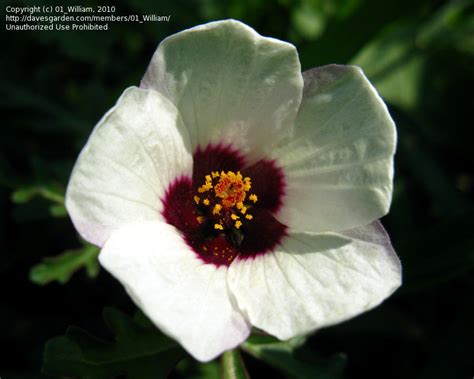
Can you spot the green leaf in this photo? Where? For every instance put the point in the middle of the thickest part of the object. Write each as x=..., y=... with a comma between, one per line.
x=335, y=46
x=450, y=27
x=49, y=192
x=233, y=366
x=209, y=370
x=23, y=195
x=262, y=339
x=189, y=368
x=138, y=352
x=394, y=64
x=397, y=58
x=58, y=211
x=290, y=358
x=62, y=267
x=308, y=21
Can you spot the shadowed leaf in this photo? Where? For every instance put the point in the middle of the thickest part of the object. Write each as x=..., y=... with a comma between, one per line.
x=138, y=352
x=290, y=358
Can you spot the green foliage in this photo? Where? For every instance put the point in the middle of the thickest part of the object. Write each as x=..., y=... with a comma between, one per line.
x=137, y=351
x=63, y=266
x=308, y=21
x=52, y=193
x=24, y=195
x=59, y=268
x=190, y=369
x=293, y=360
x=451, y=27
x=394, y=65
x=395, y=59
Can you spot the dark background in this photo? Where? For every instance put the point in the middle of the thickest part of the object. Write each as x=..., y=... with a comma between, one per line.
x=420, y=56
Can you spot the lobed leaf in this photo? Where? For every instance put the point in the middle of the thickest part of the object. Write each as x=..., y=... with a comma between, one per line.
x=137, y=351
x=62, y=267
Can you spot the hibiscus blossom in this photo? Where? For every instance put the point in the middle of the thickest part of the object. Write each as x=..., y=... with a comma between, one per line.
x=230, y=191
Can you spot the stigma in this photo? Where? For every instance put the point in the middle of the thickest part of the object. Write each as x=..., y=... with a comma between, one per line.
x=224, y=199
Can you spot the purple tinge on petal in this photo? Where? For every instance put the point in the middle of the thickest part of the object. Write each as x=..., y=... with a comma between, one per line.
x=178, y=206
x=258, y=235
x=263, y=234
x=268, y=184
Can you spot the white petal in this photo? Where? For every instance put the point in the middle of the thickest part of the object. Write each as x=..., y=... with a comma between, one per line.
x=185, y=298
x=229, y=83
x=315, y=280
x=138, y=148
x=339, y=161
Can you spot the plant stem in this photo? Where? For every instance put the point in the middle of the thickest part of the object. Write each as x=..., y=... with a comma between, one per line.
x=233, y=366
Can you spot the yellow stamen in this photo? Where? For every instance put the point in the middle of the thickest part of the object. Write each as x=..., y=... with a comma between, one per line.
x=229, y=197
x=247, y=184
x=230, y=189
x=217, y=209
x=205, y=187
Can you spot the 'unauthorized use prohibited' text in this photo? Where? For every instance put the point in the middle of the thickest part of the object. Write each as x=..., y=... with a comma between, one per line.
x=70, y=18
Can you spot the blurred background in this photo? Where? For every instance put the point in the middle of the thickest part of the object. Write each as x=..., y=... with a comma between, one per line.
x=420, y=56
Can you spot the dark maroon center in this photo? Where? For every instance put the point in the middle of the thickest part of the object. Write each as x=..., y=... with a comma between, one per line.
x=220, y=247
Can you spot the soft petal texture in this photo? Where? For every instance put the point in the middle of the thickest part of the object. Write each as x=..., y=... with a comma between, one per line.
x=315, y=280
x=230, y=84
x=138, y=148
x=185, y=298
x=338, y=162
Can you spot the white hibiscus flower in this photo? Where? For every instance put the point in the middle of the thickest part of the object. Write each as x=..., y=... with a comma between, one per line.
x=232, y=191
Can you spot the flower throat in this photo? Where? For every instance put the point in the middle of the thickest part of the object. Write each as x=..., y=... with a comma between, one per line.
x=225, y=210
